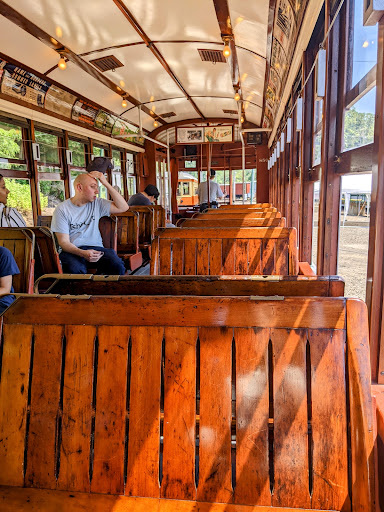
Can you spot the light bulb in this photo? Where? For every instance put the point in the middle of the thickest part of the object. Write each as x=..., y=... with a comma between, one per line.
x=242, y=119
x=62, y=64
x=237, y=96
x=155, y=124
x=227, y=50
x=124, y=103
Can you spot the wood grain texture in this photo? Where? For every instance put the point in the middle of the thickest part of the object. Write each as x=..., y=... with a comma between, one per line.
x=179, y=414
x=202, y=256
x=77, y=409
x=108, y=466
x=252, y=412
x=45, y=397
x=221, y=222
x=165, y=256
x=144, y=417
x=239, y=215
x=15, y=499
x=215, y=415
x=17, y=343
x=360, y=406
x=291, y=488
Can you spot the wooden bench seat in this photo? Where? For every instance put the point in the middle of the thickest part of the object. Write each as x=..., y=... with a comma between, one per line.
x=229, y=251
x=88, y=284
x=186, y=404
x=128, y=239
x=21, y=243
x=255, y=205
x=146, y=221
x=46, y=257
x=225, y=222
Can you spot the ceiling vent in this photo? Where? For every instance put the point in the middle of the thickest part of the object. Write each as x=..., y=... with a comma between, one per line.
x=234, y=112
x=212, y=56
x=166, y=115
x=107, y=63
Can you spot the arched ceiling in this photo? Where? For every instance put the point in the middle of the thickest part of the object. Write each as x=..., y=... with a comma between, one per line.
x=157, y=42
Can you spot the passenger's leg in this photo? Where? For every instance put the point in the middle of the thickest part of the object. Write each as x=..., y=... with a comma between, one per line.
x=73, y=264
x=110, y=263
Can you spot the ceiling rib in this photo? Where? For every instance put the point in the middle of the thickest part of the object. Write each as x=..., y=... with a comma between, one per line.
x=271, y=19
x=129, y=16
x=224, y=19
x=18, y=19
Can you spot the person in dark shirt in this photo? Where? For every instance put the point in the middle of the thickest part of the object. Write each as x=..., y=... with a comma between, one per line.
x=8, y=268
x=145, y=198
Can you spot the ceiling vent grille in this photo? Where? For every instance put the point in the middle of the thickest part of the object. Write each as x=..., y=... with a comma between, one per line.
x=166, y=115
x=212, y=56
x=107, y=63
x=234, y=112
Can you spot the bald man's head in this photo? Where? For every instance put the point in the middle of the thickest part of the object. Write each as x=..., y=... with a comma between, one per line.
x=83, y=179
x=86, y=188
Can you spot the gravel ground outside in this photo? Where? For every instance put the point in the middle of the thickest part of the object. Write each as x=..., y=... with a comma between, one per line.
x=353, y=254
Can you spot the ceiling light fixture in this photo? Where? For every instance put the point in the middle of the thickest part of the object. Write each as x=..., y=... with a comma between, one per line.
x=62, y=64
x=155, y=124
x=237, y=96
x=242, y=119
x=124, y=103
x=227, y=50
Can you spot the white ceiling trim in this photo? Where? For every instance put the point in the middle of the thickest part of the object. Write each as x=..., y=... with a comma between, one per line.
x=34, y=115
x=308, y=24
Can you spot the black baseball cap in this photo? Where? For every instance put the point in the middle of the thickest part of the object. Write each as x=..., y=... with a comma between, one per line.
x=100, y=163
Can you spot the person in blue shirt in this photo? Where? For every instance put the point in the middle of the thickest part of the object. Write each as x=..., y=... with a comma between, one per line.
x=8, y=268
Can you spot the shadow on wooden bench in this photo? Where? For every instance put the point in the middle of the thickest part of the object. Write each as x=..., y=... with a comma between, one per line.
x=21, y=243
x=287, y=286
x=228, y=251
x=217, y=401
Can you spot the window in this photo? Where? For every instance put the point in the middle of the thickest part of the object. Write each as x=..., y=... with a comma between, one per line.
x=359, y=122
x=49, y=152
x=20, y=197
x=186, y=188
x=11, y=147
x=317, y=131
x=99, y=151
x=190, y=164
x=131, y=178
x=78, y=153
x=51, y=194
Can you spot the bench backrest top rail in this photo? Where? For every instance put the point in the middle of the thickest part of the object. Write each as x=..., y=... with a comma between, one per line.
x=255, y=205
x=228, y=222
x=89, y=284
x=217, y=251
x=234, y=375
x=238, y=215
x=217, y=211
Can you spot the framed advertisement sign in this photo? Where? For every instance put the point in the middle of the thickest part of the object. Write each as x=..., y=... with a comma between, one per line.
x=190, y=135
x=218, y=134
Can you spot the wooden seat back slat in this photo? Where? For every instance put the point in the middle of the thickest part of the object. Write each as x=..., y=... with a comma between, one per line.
x=255, y=205
x=230, y=251
x=283, y=379
x=238, y=215
x=146, y=221
x=220, y=221
x=127, y=232
x=21, y=243
x=244, y=209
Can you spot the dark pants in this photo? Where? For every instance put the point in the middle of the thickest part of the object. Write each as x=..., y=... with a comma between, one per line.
x=108, y=264
x=204, y=206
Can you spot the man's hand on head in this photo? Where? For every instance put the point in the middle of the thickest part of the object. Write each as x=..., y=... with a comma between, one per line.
x=98, y=176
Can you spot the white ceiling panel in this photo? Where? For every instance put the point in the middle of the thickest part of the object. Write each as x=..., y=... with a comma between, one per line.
x=213, y=107
x=21, y=46
x=252, y=76
x=196, y=76
x=143, y=75
x=181, y=106
x=81, y=25
x=250, y=24
x=253, y=114
x=185, y=20
x=88, y=87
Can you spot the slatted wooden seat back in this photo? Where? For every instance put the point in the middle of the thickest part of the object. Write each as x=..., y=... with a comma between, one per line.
x=239, y=215
x=44, y=220
x=230, y=251
x=128, y=239
x=146, y=220
x=256, y=205
x=225, y=222
x=244, y=209
x=87, y=284
x=108, y=231
x=46, y=256
x=159, y=216
x=21, y=243
x=220, y=400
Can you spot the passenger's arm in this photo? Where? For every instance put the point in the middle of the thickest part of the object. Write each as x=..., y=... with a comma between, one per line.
x=89, y=254
x=119, y=204
x=5, y=284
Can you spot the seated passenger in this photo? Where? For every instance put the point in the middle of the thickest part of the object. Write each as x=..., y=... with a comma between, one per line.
x=145, y=198
x=8, y=268
x=76, y=224
x=215, y=192
x=9, y=217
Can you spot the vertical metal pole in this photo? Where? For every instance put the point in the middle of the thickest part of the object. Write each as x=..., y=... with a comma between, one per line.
x=169, y=179
x=140, y=125
x=243, y=164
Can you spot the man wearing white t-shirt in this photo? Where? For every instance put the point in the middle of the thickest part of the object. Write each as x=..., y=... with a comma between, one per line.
x=76, y=224
x=215, y=192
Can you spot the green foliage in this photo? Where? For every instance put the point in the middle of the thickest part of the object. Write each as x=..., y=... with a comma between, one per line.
x=48, y=147
x=20, y=195
x=359, y=128
x=10, y=143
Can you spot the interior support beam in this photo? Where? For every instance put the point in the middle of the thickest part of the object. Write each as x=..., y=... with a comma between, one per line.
x=156, y=52
x=224, y=19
